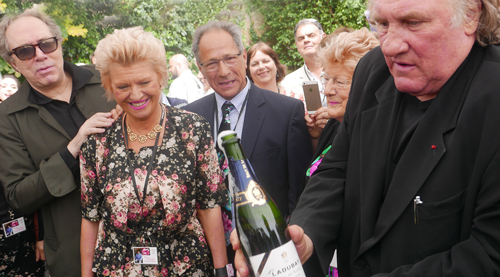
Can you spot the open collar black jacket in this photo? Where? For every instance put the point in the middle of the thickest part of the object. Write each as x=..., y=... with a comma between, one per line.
x=452, y=163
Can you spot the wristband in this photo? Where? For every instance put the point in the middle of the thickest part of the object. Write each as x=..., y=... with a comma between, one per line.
x=220, y=272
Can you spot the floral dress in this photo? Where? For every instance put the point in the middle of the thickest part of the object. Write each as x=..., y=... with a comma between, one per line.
x=185, y=176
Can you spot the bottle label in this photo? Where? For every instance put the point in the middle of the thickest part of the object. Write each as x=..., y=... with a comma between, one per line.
x=282, y=261
x=253, y=195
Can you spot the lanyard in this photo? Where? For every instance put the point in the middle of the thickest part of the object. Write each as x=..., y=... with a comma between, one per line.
x=239, y=115
x=131, y=168
x=307, y=74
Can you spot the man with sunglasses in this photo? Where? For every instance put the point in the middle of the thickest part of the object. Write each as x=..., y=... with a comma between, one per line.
x=272, y=129
x=42, y=128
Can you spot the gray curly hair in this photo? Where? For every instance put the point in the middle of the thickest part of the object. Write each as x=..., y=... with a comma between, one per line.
x=33, y=12
x=229, y=27
x=488, y=30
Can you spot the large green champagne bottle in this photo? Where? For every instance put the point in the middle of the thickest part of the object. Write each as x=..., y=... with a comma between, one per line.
x=260, y=226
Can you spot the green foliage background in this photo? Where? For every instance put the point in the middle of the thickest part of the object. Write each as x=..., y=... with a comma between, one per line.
x=172, y=21
x=85, y=22
x=281, y=16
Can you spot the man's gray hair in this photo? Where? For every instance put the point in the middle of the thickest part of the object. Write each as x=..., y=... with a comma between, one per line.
x=308, y=21
x=229, y=27
x=33, y=12
x=488, y=29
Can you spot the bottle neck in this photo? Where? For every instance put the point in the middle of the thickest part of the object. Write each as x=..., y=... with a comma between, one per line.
x=234, y=150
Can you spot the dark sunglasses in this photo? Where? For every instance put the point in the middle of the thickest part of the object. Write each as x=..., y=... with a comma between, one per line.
x=27, y=52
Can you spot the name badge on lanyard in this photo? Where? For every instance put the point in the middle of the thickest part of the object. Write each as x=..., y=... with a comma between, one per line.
x=13, y=227
x=145, y=255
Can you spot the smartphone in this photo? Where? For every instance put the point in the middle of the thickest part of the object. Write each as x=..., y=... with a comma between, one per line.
x=312, y=96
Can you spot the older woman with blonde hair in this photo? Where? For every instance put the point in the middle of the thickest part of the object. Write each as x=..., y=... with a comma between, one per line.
x=340, y=53
x=340, y=56
x=150, y=183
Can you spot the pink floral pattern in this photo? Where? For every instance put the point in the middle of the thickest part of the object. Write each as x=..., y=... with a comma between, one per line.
x=296, y=95
x=185, y=177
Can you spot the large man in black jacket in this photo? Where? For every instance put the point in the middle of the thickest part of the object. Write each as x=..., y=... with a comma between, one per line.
x=410, y=186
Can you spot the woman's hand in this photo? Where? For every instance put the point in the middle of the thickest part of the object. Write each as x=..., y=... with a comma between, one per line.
x=321, y=118
x=316, y=122
x=93, y=125
x=302, y=242
x=116, y=112
x=40, y=254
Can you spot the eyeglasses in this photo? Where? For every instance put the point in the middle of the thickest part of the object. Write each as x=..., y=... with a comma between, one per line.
x=339, y=81
x=27, y=52
x=212, y=65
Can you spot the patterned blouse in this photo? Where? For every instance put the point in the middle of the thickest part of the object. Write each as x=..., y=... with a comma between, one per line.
x=296, y=95
x=185, y=176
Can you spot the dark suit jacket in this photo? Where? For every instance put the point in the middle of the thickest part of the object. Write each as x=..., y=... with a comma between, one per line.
x=452, y=162
x=35, y=176
x=275, y=140
x=177, y=102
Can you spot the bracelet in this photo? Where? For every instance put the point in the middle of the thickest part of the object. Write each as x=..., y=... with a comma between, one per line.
x=220, y=272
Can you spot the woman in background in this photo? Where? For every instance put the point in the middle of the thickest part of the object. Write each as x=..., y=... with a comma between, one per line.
x=317, y=121
x=265, y=70
x=150, y=181
x=8, y=86
x=340, y=57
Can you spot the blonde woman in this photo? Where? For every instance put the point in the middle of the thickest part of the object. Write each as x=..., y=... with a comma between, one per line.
x=150, y=182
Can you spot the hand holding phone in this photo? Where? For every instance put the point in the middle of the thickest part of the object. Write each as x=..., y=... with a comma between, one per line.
x=312, y=96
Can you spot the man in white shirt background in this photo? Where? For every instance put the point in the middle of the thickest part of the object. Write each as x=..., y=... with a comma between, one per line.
x=185, y=85
x=308, y=34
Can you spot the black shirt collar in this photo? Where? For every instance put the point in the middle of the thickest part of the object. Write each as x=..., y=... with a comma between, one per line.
x=79, y=75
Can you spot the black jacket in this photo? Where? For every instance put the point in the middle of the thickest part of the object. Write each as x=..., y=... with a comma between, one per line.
x=452, y=162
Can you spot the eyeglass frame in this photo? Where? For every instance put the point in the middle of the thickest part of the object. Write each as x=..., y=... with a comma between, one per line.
x=13, y=51
x=219, y=60
x=334, y=78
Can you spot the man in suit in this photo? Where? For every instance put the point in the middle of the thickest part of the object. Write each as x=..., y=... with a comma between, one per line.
x=308, y=34
x=272, y=129
x=410, y=186
x=42, y=128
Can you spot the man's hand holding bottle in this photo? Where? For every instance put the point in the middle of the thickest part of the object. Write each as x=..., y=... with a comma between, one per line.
x=303, y=244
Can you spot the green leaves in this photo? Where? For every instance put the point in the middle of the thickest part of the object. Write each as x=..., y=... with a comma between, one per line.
x=280, y=17
x=84, y=22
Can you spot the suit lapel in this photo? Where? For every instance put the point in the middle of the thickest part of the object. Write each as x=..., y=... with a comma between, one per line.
x=254, y=117
x=208, y=112
x=44, y=115
x=426, y=147
x=374, y=151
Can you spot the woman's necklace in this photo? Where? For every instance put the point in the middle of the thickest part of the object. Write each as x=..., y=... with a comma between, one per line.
x=143, y=138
